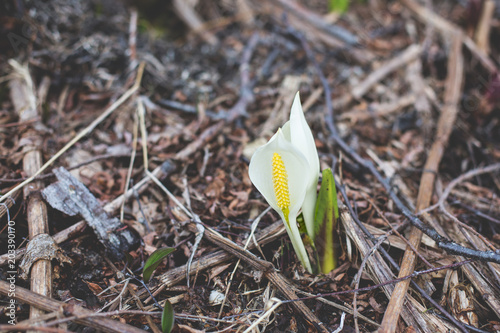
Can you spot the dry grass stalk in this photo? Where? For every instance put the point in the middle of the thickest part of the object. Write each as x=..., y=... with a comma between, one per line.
x=482, y=36
x=412, y=312
x=193, y=21
x=25, y=103
x=444, y=128
x=476, y=274
x=408, y=55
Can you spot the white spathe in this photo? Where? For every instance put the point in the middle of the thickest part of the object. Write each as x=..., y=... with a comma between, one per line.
x=294, y=143
x=301, y=137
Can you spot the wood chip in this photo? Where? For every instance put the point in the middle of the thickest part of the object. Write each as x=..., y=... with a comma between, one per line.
x=72, y=198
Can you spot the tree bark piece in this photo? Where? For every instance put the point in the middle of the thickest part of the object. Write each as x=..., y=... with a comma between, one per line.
x=445, y=125
x=72, y=197
x=41, y=247
x=111, y=208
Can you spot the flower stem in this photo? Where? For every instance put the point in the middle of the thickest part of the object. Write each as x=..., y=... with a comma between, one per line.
x=298, y=246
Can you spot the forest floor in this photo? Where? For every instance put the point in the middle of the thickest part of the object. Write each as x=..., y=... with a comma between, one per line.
x=124, y=130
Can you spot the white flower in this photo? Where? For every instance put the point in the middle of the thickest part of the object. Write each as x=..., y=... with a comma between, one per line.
x=301, y=137
x=286, y=170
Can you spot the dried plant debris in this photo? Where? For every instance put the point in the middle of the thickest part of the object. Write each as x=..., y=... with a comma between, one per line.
x=71, y=197
x=41, y=247
x=402, y=99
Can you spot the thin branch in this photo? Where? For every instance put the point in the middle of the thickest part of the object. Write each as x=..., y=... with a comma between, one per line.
x=447, y=191
x=374, y=249
x=76, y=166
x=376, y=286
x=267, y=268
x=379, y=211
x=25, y=327
x=246, y=94
x=455, y=182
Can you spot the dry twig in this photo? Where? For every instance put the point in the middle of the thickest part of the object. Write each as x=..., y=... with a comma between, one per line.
x=25, y=103
x=444, y=128
x=430, y=17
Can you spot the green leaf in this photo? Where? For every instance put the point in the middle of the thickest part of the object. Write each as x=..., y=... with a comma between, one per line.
x=339, y=6
x=325, y=221
x=154, y=260
x=167, y=317
x=302, y=224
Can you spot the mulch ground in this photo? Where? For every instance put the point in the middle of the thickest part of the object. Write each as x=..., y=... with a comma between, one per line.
x=155, y=109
